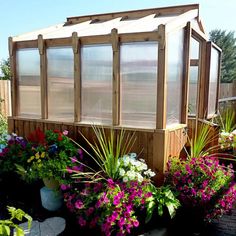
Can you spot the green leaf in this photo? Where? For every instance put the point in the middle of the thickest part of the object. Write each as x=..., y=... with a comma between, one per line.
x=160, y=210
x=4, y=230
x=171, y=209
x=19, y=231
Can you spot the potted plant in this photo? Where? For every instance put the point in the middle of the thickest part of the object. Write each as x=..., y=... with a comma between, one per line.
x=14, y=150
x=52, y=155
x=204, y=186
x=111, y=194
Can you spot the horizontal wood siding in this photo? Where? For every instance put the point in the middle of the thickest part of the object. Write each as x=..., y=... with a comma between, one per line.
x=154, y=146
x=23, y=127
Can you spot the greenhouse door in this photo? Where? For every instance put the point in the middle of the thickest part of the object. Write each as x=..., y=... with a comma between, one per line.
x=196, y=74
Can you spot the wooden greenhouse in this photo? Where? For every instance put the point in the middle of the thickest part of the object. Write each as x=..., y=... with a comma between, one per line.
x=151, y=71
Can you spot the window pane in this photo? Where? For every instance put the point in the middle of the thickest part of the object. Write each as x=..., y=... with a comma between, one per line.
x=60, y=83
x=194, y=49
x=213, y=81
x=174, y=79
x=193, y=88
x=28, y=70
x=138, y=68
x=96, y=84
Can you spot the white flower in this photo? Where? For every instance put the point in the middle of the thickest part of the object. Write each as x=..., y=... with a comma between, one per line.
x=125, y=179
x=121, y=172
x=143, y=166
x=149, y=173
x=140, y=178
x=131, y=174
x=132, y=168
x=224, y=134
x=142, y=160
x=133, y=162
x=126, y=160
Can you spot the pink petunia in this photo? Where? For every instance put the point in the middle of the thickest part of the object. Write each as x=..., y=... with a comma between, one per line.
x=79, y=204
x=64, y=187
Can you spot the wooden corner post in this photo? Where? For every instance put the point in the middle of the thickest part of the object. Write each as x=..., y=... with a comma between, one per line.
x=185, y=85
x=161, y=80
x=115, y=77
x=77, y=76
x=14, y=80
x=43, y=77
x=160, y=135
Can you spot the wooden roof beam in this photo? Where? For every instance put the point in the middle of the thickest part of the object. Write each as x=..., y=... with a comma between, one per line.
x=133, y=14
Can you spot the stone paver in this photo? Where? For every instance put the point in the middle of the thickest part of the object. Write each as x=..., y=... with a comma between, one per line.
x=50, y=227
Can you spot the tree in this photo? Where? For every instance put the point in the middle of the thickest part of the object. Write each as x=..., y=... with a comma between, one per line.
x=227, y=42
x=5, y=68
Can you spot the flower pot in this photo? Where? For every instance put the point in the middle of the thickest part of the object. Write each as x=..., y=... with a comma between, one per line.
x=51, y=199
x=51, y=183
x=51, y=196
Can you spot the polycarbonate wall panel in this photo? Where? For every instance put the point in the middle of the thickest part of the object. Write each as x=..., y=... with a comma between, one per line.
x=28, y=72
x=138, y=70
x=194, y=49
x=193, y=89
x=213, y=81
x=60, y=66
x=96, y=72
x=174, y=77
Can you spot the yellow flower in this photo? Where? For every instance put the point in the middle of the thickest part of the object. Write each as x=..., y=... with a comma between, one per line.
x=43, y=155
x=39, y=160
x=30, y=159
x=37, y=155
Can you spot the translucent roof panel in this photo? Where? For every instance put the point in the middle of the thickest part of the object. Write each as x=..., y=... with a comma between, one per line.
x=89, y=26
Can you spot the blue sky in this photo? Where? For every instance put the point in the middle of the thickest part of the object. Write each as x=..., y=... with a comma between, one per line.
x=20, y=16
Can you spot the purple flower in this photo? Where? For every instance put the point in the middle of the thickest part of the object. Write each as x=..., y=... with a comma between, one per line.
x=65, y=132
x=136, y=223
x=77, y=168
x=64, y=187
x=81, y=221
x=69, y=170
x=74, y=159
x=121, y=222
x=80, y=152
x=110, y=181
x=79, y=204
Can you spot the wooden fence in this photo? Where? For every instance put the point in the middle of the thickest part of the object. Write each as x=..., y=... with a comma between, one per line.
x=5, y=97
x=227, y=90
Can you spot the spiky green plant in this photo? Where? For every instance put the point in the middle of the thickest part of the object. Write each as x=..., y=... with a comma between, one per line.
x=106, y=151
x=202, y=138
x=227, y=120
